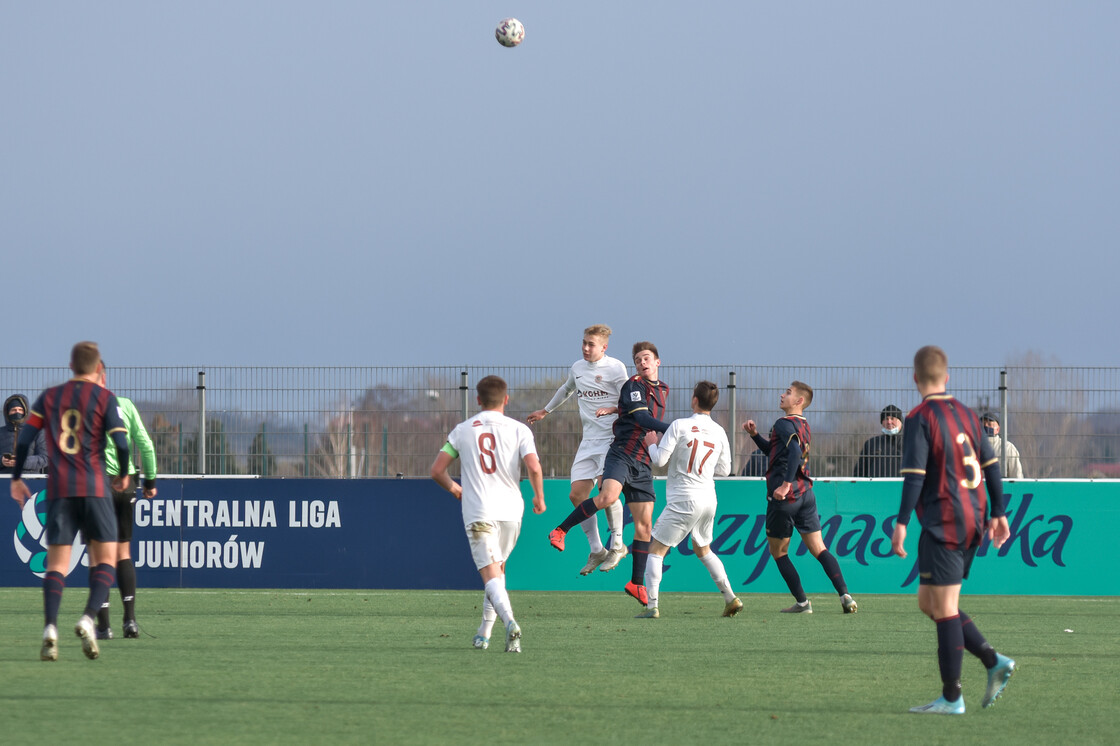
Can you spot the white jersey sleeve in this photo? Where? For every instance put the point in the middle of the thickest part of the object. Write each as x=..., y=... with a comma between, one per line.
x=564, y=392
x=491, y=448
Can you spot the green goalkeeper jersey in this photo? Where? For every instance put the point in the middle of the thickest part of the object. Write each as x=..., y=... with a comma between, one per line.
x=137, y=437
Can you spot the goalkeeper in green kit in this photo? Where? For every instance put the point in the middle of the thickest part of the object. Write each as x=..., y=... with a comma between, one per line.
x=138, y=440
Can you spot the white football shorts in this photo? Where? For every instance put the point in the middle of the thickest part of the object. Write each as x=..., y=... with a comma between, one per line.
x=680, y=519
x=492, y=541
x=589, y=459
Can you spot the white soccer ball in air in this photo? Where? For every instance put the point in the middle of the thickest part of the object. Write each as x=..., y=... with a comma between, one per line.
x=510, y=32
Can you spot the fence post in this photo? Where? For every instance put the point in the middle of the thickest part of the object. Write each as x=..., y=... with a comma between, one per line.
x=264, y=450
x=1003, y=430
x=180, y=447
x=384, y=450
x=464, y=389
x=201, y=422
x=306, y=452
x=732, y=420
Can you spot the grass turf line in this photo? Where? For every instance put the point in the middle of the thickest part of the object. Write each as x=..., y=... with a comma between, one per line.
x=397, y=667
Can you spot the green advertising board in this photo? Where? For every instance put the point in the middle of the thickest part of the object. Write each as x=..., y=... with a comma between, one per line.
x=1052, y=550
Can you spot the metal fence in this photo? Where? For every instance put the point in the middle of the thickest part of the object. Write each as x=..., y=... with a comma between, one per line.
x=391, y=421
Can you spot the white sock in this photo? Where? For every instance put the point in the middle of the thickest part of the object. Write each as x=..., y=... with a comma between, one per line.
x=499, y=599
x=719, y=574
x=614, y=523
x=591, y=527
x=489, y=616
x=653, y=577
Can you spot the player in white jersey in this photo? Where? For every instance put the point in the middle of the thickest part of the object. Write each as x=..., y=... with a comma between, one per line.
x=596, y=381
x=491, y=448
x=696, y=450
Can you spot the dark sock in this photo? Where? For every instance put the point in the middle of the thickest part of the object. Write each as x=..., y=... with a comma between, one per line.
x=975, y=643
x=53, y=585
x=103, y=616
x=126, y=582
x=640, y=555
x=100, y=581
x=793, y=580
x=832, y=570
x=582, y=512
x=950, y=654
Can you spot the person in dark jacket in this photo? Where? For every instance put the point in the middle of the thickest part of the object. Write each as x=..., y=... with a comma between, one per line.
x=15, y=412
x=882, y=455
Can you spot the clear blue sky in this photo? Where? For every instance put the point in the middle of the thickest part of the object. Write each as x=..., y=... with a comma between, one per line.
x=288, y=183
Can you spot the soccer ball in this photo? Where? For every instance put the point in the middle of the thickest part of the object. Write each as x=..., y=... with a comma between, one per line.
x=510, y=32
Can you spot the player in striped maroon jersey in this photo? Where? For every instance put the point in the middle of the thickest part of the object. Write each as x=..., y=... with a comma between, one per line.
x=790, y=502
x=947, y=466
x=79, y=418
x=626, y=468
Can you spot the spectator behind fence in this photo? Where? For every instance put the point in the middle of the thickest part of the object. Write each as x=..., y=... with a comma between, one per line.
x=882, y=455
x=1012, y=465
x=756, y=464
x=15, y=412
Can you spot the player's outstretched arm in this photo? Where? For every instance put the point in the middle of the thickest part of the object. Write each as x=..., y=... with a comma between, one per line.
x=562, y=395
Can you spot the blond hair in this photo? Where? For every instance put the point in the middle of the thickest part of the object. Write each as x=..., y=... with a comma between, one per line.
x=931, y=365
x=598, y=330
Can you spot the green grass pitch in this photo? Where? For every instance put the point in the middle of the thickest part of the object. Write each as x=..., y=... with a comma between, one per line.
x=388, y=667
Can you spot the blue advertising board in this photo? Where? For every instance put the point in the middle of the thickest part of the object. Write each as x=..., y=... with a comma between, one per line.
x=408, y=533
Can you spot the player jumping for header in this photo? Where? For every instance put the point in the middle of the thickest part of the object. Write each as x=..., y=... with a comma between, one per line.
x=626, y=469
x=596, y=381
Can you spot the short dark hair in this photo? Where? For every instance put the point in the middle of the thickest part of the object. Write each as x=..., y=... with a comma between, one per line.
x=639, y=346
x=492, y=391
x=707, y=394
x=806, y=391
x=84, y=358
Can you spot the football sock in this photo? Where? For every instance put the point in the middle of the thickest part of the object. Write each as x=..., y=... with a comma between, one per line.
x=582, y=512
x=100, y=581
x=832, y=570
x=126, y=582
x=615, y=522
x=718, y=573
x=591, y=528
x=53, y=584
x=793, y=580
x=640, y=555
x=103, y=616
x=975, y=643
x=950, y=654
x=653, y=578
x=489, y=616
x=499, y=599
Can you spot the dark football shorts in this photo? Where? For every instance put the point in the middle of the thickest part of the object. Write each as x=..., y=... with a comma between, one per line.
x=939, y=565
x=93, y=516
x=636, y=477
x=122, y=506
x=782, y=516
